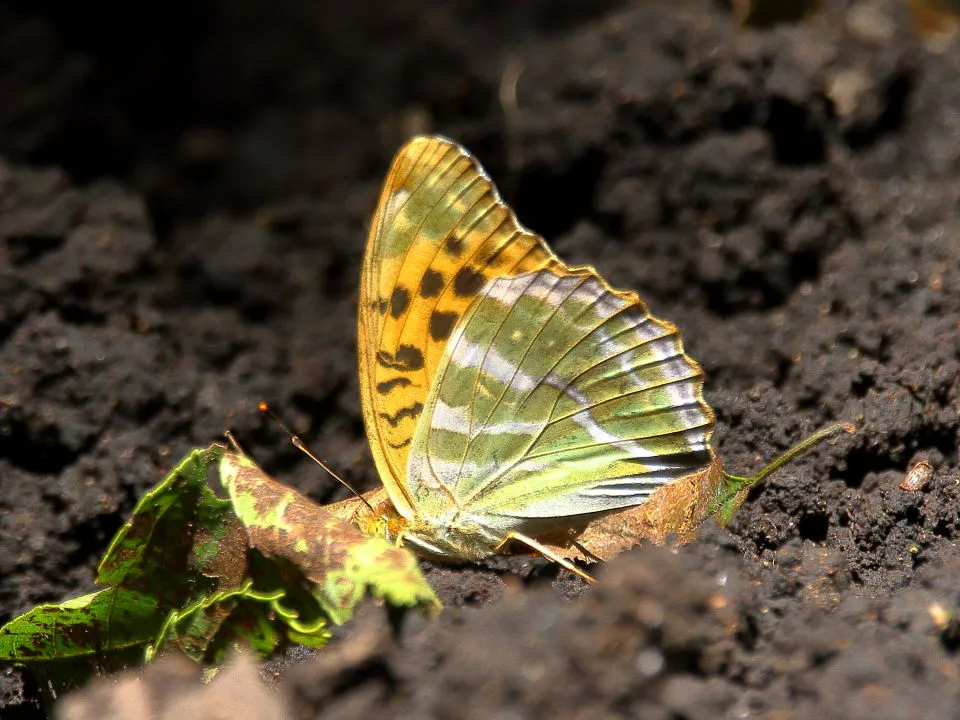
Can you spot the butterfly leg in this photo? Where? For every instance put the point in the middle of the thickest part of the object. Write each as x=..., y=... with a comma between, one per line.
x=548, y=554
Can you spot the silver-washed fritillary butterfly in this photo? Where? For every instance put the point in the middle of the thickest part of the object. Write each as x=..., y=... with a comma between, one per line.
x=510, y=398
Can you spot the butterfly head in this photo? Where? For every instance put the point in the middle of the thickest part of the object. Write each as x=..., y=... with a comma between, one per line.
x=382, y=520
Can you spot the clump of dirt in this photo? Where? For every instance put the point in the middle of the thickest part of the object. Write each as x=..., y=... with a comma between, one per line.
x=786, y=196
x=665, y=635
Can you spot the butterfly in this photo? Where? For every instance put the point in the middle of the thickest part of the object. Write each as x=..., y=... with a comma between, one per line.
x=510, y=398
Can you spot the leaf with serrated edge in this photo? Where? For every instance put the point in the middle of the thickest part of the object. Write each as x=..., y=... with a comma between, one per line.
x=181, y=551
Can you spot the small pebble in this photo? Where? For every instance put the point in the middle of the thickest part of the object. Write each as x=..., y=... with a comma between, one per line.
x=918, y=477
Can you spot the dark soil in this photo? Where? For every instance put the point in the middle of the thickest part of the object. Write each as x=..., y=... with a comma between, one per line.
x=788, y=197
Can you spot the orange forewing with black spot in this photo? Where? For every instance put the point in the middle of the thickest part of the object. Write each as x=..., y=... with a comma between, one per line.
x=440, y=232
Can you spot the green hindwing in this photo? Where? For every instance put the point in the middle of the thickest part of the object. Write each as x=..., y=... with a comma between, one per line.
x=558, y=397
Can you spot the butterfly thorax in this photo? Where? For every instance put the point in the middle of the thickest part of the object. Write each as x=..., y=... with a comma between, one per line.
x=451, y=538
x=454, y=539
x=381, y=520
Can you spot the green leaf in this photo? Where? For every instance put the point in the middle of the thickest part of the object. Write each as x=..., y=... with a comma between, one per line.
x=340, y=561
x=196, y=574
x=182, y=528
x=182, y=548
x=94, y=624
x=66, y=643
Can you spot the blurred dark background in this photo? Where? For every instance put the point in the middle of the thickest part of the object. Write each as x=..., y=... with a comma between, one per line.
x=233, y=104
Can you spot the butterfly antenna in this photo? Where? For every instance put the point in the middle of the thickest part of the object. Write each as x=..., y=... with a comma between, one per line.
x=737, y=486
x=299, y=445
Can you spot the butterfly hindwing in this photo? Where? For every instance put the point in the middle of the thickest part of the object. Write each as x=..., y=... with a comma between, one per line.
x=440, y=233
x=558, y=397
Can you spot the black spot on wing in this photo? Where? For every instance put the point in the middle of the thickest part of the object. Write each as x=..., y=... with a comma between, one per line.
x=468, y=282
x=411, y=411
x=431, y=285
x=407, y=358
x=399, y=301
x=410, y=357
x=380, y=306
x=397, y=446
x=441, y=324
x=388, y=385
x=453, y=246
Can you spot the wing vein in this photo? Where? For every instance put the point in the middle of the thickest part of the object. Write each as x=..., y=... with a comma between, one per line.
x=479, y=490
x=483, y=362
x=689, y=406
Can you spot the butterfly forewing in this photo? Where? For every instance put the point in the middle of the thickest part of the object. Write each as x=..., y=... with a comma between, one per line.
x=439, y=234
x=558, y=397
